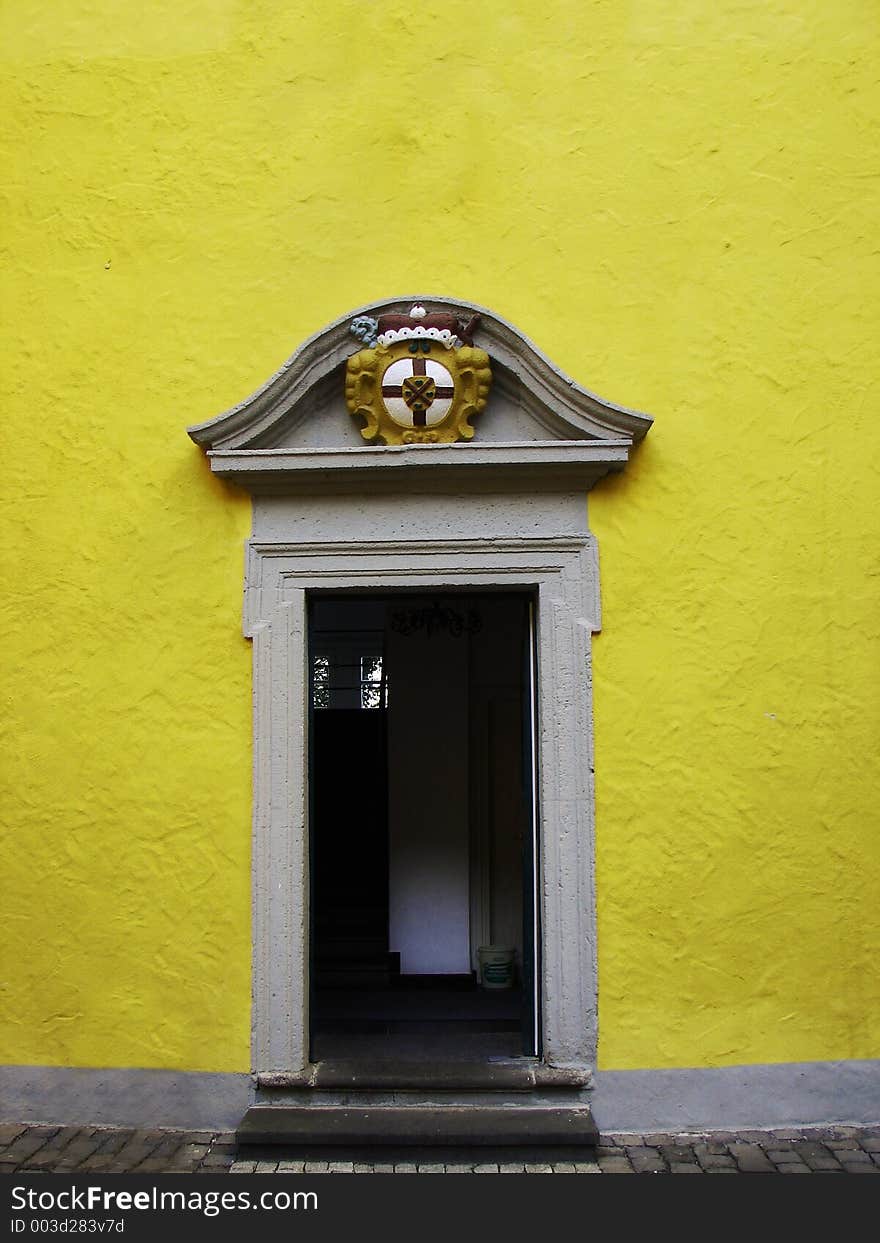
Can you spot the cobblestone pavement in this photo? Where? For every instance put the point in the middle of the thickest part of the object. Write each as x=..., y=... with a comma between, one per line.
x=30, y=1149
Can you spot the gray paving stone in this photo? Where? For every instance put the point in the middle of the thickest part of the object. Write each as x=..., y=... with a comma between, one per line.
x=849, y=1154
x=713, y=1147
x=167, y=1146
x=717, y=1161
x=79, y=1149
x=102, y=1161
x=677, y=1152
x=132, y=1153
x=217, y=1161
x=191, y=1152
x=45, y=1158
x=68, y=1162
x=810, y=1148
x=30, y=1141
x=116, y=1141
x=751, y=1159
x=615, y=1165
x=647, y=1160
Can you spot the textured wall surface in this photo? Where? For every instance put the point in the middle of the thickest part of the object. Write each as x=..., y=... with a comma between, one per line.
x=679, y=204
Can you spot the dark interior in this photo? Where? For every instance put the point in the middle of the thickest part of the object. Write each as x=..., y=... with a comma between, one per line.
x=361, y=1005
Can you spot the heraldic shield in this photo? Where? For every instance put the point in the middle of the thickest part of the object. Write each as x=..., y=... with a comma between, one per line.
x=421, y=381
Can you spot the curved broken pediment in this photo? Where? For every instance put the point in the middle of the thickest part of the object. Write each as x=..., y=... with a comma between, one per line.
x=296, y=433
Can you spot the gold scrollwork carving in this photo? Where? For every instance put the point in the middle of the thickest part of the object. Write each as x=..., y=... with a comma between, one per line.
x=417, y=391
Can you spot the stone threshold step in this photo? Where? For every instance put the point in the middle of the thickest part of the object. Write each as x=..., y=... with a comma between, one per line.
x=516, y=1074
x=417, y=1124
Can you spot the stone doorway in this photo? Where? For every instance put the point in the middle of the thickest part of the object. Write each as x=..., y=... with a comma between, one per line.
x=504, y=512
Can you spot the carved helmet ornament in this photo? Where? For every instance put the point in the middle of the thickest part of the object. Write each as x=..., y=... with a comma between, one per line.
x=420, y=381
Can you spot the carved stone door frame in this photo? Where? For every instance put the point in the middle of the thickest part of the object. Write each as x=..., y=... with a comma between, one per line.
x=562, y=570
x=505, y=510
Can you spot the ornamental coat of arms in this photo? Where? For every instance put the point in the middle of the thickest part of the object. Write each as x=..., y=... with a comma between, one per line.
x=420, y=381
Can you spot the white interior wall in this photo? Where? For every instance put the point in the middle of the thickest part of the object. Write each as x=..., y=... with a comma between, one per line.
x=428, y=801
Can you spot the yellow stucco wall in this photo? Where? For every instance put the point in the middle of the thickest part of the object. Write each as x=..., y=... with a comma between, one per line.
x=677, y=202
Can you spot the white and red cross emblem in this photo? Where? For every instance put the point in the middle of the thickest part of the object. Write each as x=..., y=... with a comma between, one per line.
x=417, y=391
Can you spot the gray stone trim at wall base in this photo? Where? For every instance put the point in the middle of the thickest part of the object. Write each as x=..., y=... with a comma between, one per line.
x=71, y=1096
x=729, y=1098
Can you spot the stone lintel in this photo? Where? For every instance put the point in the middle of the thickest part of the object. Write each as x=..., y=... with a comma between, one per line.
x=549, y=466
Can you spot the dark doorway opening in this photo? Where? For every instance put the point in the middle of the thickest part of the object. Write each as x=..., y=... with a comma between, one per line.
x=424, y=940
